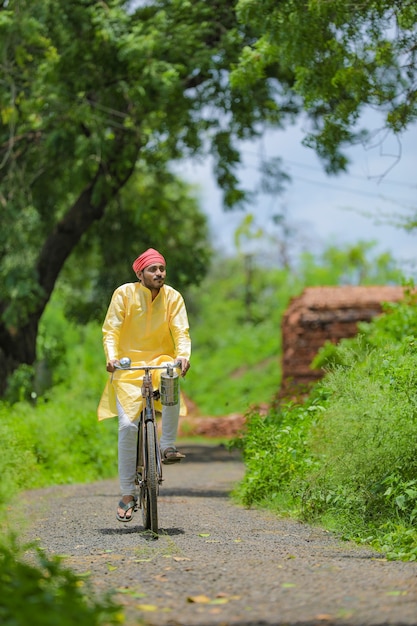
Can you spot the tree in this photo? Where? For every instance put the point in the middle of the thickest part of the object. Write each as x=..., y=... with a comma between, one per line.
x=153, y=210
x=344, y=57
x=92, y=93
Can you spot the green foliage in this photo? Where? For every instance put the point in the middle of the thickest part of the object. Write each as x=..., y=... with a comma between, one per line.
x=163, y=213
x=97, y=100
x=42, y=592
x=399, y=323
x=236, y=312
x=275, y=450
x=356, y=459
x=366, y=442
x=56, y=438
x=355, y=264
x=334, y=68
x=94, y=95
x=235, y=320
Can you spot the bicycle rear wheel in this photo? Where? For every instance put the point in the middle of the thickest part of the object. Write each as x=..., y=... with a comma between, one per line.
x=150, y=486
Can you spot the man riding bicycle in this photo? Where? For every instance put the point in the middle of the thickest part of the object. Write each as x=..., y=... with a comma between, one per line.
x=147, y=322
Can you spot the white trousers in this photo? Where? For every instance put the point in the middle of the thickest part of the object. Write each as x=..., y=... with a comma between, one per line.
x=127, y=441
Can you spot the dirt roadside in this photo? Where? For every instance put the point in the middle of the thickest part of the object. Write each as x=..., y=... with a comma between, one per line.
x=217, y=564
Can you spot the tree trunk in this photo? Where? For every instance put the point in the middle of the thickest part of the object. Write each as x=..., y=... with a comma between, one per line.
x=18, y=345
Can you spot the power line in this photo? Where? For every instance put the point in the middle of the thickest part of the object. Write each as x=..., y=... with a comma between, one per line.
x=358, y=192
x=356, y=176
x=351, y=176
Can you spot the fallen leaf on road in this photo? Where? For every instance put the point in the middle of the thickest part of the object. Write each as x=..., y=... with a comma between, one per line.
x=181, y=558
x=204, y=535
x=111, y=567
x=161, y=578
x=131, y=592
x=396, y=592
x=220, y=601
x=198, y=599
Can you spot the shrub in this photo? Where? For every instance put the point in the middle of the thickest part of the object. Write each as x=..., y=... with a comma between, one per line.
x=352, y=464
x=274, y=449
x=367, y=450
x=45, y=593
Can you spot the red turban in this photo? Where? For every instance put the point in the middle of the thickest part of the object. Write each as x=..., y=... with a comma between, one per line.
x=147, y=258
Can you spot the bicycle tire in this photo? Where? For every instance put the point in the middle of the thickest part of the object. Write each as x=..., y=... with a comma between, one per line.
x=150, y=491
x=139, y=460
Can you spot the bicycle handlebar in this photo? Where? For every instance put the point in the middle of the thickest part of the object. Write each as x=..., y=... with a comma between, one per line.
x=125, y=364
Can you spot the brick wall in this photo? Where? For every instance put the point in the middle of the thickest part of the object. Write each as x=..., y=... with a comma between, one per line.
x=323, y=314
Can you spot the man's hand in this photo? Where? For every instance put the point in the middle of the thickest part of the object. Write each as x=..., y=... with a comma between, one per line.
x=185, y=365
x=110, y=367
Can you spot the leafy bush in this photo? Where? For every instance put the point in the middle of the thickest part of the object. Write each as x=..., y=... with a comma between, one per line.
x=275, y=449
x=42, y=592
x=356, y=461
x=57, y=438
x=398, y=322
x=54, y=443
x=367, y=446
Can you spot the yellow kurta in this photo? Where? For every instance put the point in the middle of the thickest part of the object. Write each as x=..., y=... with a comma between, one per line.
x=148, y=332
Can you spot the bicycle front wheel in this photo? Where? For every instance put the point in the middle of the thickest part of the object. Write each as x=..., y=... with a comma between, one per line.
x=150, y=492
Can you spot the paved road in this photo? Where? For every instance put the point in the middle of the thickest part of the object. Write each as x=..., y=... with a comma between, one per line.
x=217, y=564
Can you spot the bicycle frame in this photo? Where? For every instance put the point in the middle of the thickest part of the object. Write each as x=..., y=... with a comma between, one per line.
x=148, y=458
x=144, y=481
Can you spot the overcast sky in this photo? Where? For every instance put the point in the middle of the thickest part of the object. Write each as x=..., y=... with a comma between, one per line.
x=382, y=180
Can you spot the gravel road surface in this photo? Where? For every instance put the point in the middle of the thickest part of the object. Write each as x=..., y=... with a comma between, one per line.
x=215, y=563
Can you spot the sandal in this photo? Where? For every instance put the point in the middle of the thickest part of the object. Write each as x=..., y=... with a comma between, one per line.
x=126, y=507
x=171, y=455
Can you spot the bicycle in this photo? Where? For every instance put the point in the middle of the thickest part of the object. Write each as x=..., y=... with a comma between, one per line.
x=148, y=454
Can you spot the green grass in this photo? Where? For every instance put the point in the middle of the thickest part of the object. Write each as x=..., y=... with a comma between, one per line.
x=347, y=457
x=57, y=439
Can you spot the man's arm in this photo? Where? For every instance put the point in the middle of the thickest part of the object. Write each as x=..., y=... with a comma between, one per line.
x=111, y=330
x=180, y=331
